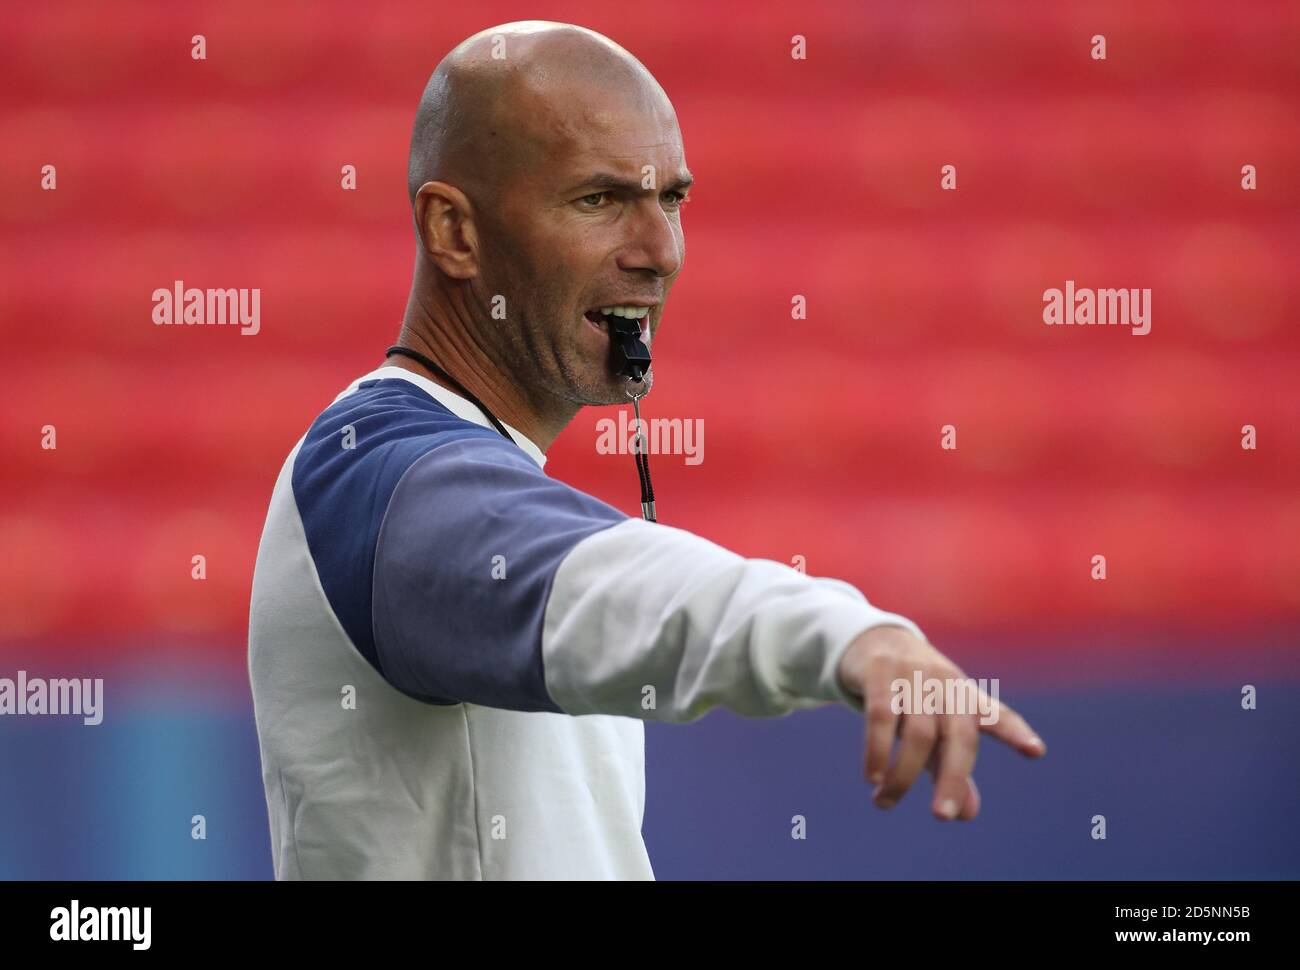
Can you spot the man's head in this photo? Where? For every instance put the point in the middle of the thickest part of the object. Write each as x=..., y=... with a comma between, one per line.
x=546, y=178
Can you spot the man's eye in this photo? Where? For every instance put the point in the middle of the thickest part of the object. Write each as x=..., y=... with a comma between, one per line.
x=593, y=200
x=676, y=200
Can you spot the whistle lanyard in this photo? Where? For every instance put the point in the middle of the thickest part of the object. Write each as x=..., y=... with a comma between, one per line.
x=641, y=454
x=638, y=445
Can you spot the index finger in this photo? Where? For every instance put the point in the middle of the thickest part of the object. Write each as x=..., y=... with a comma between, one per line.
x=1013, y=730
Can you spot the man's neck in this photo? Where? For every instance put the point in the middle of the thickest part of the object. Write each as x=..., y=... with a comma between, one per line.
x=426, y=328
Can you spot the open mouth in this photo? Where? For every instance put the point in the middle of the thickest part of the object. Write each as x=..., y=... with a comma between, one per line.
x=602, y=317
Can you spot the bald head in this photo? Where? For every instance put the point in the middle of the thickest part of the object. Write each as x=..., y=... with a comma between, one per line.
x=511, y=97
x=547, y=177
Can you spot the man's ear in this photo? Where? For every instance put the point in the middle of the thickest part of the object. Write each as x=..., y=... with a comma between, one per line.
x=444, y=220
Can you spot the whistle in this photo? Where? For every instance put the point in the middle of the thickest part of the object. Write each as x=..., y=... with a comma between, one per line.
x=630, y=356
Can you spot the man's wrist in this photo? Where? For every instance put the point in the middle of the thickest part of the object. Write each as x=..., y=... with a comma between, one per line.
x=851, y=665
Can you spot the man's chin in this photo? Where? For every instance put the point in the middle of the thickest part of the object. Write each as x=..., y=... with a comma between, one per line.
x=615, y=390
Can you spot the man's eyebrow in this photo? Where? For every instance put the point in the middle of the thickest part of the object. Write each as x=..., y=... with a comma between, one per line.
x=608, y=182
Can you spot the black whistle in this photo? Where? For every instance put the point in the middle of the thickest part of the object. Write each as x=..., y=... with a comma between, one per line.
x=630, y=357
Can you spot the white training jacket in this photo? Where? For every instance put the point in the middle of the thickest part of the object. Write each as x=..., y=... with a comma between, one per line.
x=452, y=654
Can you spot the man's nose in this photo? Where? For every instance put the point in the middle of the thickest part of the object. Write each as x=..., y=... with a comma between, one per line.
x=654, y=242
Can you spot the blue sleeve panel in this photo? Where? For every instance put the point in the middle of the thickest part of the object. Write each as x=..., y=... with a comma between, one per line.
x=474, y=535
x=436, y=542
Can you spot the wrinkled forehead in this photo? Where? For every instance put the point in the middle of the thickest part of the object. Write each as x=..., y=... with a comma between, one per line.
x=574, y=130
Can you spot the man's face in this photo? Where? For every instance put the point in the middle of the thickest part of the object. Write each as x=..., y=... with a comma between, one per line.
x=591, y=220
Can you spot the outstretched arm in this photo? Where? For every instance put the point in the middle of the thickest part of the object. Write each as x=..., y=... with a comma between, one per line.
x=497, y=585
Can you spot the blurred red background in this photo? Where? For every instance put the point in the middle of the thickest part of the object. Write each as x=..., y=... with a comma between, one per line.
x=817, y=177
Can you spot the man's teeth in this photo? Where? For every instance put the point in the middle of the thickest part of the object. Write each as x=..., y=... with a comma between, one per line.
x=631, y=312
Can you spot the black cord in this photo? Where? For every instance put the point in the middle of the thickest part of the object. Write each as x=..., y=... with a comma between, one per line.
x=417, y=356
x=642, y=456
x=642, y=460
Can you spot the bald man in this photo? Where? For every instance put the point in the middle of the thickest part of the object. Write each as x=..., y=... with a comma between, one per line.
x=452, y=655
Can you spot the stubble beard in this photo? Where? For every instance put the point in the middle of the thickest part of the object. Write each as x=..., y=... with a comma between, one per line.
x=550, y=362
